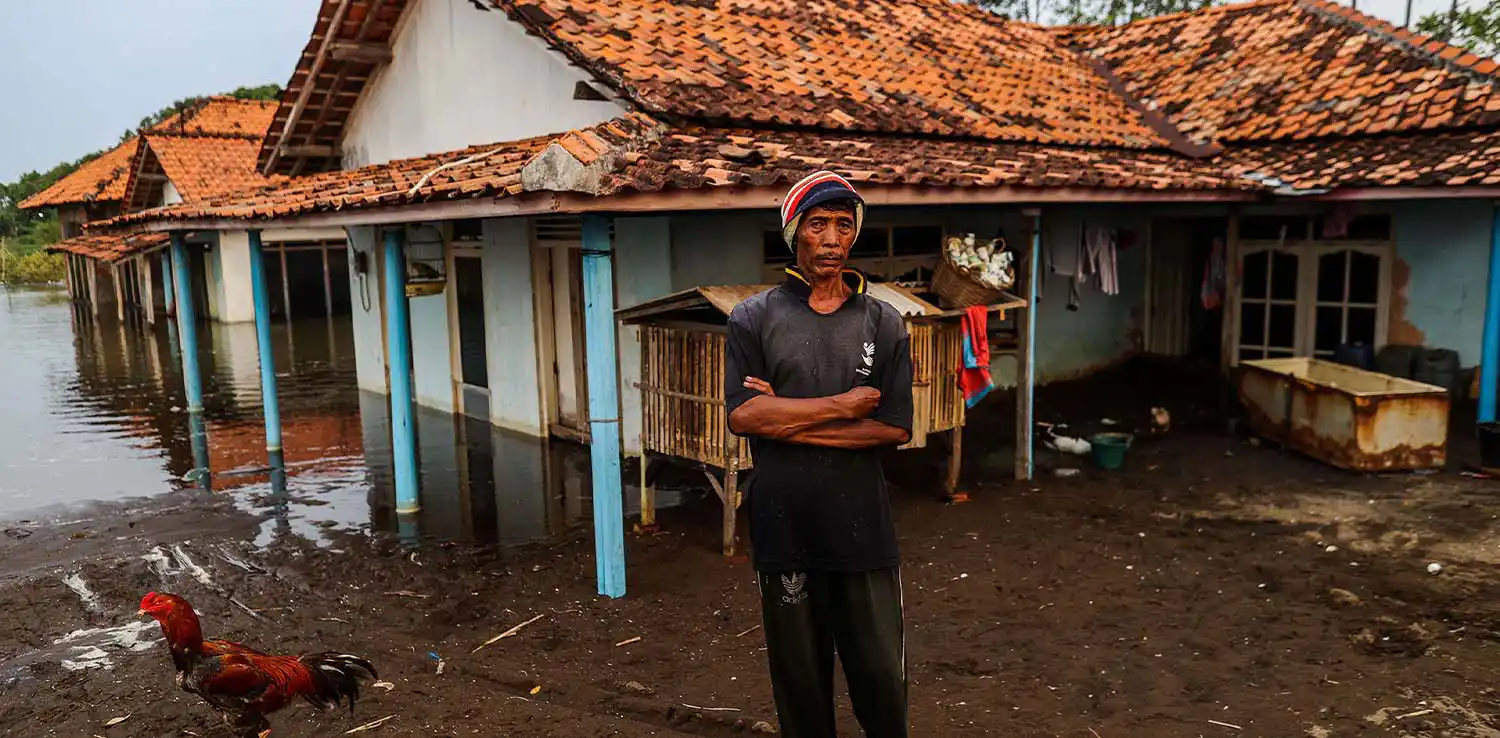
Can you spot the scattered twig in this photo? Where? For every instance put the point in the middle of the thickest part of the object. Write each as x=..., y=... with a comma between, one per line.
x=408, y=593
x=1226, y=725
x=509, y=633
x=247, y=609
x=117, y=720
x=628, y=641
x=747, y=631
x=334, y=620
x=387, y=686
x=373, y=724
x=1418, y=713
x=711, y=709
x=1096, y=733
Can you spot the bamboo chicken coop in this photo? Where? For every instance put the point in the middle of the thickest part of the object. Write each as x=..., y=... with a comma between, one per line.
x=682, y=384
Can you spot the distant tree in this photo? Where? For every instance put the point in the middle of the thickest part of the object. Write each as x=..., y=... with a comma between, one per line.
x=1476, y=29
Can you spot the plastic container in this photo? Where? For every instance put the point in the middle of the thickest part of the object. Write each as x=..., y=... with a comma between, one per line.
x=1359, y=355
x=1489, y=445
x=1109, y=449
x=1397, y=360
x=1438, y=367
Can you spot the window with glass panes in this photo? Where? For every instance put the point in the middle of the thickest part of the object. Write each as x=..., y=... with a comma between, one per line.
x=1305, y=292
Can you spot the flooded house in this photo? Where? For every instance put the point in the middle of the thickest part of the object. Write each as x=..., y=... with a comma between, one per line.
x=1280, y=178
x=207, y=150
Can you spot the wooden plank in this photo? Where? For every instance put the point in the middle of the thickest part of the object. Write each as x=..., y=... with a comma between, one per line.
x=1025, y=356
x=310, y=81
x=366, y=52
x=313, y=151
x=1228, y=351
x=955, y=466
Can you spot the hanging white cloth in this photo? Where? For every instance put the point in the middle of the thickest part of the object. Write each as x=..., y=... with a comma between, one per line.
x=1100, y=260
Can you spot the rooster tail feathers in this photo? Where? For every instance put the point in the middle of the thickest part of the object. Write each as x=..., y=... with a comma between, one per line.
x=335, y=677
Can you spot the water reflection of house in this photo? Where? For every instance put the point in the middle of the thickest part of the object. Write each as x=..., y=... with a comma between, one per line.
x=310, y=437
x=204, y=152
x=1349, y=202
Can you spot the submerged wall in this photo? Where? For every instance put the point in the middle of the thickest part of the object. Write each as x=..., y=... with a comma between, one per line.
x=366, y=317
x=510, y=333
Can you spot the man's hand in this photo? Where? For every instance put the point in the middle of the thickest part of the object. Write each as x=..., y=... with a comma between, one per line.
x=759, y=385
x=859, y=402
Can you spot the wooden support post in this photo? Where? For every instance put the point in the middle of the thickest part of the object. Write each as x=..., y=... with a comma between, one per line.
x=648, y=497
x=114, y=272
x=148, y=291
x=68, y=275
x=731, y=507
x=955, y=465
x=1026, y=355
x=93, y=282
x=1230, y=316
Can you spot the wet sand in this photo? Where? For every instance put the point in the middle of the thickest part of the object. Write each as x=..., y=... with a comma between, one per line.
x=1211, y=583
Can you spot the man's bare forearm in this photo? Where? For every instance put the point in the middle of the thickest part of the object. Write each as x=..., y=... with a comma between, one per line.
x=851, y=434
x=768, y=416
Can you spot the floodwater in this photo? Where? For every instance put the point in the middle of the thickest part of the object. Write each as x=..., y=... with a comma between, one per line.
x=93, y=412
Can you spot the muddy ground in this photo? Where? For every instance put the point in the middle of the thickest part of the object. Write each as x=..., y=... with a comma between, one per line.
x=1212, y=587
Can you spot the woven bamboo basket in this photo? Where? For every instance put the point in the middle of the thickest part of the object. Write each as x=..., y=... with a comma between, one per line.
x=956, y=289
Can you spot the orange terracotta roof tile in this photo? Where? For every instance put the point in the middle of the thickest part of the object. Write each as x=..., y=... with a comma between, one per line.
x=1446, y=159
x=100, y=180
x=202, y=167
x=637, y=154
x=220, y=116
x=208, y=151
x=1292, y=69
x=479, y=171
x=933, y=67
x=109, y=247
x=700, y=157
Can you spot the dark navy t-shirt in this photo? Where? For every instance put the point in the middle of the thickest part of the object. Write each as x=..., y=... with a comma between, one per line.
x=815, y=508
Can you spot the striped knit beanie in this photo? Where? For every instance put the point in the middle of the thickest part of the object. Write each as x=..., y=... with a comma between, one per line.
x=815, y=189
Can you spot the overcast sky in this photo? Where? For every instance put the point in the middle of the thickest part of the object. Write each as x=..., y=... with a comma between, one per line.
x=84, y=71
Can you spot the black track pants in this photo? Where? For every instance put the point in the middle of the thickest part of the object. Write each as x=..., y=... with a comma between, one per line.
x=810, y=616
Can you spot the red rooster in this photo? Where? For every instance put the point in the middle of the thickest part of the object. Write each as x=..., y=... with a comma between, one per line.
x=243, y=684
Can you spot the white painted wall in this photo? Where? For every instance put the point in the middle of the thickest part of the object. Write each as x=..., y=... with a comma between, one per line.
x=236, y=298
x=643, y=270
x=237, y=355
x=510, y=328
x=169, y=194
x=432, y=364
x=279, y=235
x=462, y=77
x=365, y=295
x=214, y=278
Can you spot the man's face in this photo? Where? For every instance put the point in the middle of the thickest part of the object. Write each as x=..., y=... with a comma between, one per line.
x=824, y=238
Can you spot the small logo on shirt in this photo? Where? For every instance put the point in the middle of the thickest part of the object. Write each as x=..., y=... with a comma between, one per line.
x=868, y=358
x=793, y=584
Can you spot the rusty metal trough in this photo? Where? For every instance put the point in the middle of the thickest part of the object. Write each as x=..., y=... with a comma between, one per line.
x=1344, y=416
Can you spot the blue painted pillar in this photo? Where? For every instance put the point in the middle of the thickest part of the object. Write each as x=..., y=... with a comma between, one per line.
x=398, y=332
x=604, y=405
x=198, y=438
x=1489, y=360
x=268, y=397
x=168, y=297
x=187, y=326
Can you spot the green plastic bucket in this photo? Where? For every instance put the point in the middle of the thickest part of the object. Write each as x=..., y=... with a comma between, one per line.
x=1109, y=449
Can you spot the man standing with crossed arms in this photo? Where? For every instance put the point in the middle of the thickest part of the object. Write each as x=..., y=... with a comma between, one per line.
x=819, y=378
